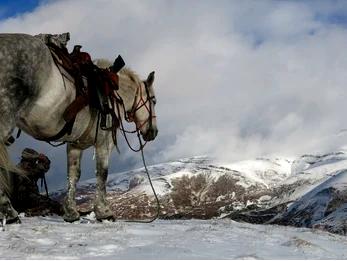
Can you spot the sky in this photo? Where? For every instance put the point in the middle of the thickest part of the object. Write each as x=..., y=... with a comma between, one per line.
x=10, y=8
x=234, y=79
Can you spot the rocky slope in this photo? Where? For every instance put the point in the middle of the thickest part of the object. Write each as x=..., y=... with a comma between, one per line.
x=314, y=195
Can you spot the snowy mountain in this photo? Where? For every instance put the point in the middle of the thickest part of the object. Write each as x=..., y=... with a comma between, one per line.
x=324, y=206
x=188, y=188
x=309, y=191
x=313, y=195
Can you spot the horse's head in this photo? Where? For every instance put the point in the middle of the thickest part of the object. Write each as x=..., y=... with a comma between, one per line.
x=138, y=97
x=142, y=111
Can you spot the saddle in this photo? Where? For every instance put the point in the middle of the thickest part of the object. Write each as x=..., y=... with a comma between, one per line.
x=94, y=86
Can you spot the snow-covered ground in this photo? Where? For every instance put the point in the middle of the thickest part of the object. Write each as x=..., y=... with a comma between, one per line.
x=51, y=238
x=313, y=189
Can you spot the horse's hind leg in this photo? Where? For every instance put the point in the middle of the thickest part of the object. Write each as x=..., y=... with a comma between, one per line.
x=7, y=212
x=74, y=172
x=7, y=125
x=101, y=206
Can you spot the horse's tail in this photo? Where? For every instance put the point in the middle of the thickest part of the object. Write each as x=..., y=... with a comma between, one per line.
x=5, y=168
x=4, y=158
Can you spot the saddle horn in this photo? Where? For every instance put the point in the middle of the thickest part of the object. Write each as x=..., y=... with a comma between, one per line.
x=117, y=64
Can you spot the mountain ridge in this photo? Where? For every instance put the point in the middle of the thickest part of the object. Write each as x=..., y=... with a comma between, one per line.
x=263, y=190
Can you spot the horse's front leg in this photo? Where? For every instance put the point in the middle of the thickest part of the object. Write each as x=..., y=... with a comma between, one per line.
x=101, y=206
x=74, y=172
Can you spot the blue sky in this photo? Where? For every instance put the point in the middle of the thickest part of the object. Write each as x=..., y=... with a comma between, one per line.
x=10, y=8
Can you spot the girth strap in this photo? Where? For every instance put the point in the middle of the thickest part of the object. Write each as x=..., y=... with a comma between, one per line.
x=67, y=129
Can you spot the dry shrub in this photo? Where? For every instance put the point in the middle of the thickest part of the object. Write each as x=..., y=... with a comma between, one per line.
x=197, y=196
x=225, y=185
x=187, y=191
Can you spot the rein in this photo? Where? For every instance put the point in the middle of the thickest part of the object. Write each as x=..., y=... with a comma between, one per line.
x=130, y=117
x=152, y=187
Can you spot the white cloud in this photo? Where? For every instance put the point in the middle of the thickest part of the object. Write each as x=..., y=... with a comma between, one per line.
x=234, y=79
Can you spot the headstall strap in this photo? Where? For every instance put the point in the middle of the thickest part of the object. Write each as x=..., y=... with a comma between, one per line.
x=130, y=115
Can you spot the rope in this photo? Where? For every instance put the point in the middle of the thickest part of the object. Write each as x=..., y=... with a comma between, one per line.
x=124, y=132
x=141, y=147
x=152, y=187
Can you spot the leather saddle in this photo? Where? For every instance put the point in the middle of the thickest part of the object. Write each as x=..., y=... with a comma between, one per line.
x=94, y=85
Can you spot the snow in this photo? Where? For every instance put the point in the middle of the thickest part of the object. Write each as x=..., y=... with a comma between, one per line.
x=312, y=207
x=51, y=237
x=313, y=170
x=263, y=171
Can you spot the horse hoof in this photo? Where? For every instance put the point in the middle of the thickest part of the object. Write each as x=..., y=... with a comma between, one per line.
x=106, y=214
x=15, y=220
x=71, y=217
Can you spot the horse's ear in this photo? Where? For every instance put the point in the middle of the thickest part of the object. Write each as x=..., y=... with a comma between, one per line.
x=150, y=79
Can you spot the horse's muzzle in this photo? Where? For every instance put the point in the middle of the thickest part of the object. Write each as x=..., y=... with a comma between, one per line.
x=150, y=134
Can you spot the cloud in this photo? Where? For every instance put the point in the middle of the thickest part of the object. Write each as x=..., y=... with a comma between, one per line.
x=234, y=79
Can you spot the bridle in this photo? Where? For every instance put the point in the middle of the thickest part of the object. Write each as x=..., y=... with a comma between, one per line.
x=130, y=116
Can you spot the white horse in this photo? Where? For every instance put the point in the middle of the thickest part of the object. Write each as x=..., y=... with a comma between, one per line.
x=34, y=96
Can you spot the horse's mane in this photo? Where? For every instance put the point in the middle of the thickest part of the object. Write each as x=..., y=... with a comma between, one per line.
x=131, y=75
x=126, y=71
x=102, y=63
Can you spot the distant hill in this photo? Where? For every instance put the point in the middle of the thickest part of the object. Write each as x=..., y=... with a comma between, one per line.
x=310, y=191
